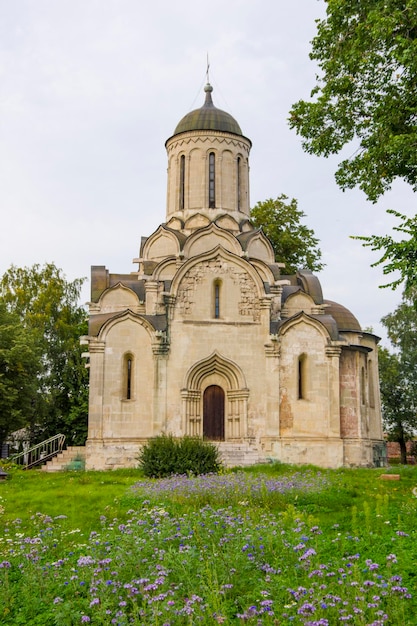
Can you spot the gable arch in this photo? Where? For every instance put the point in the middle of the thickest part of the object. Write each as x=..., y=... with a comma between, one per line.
x=175, y=223
x=259, y=247
x=242, y=288
x=303, y=318
x=215, y=363
x=197, y=221
x=222, y=254
x=264, y=270
x=208, y=238
x=125, y=316
x=162, y=243
x=118, y=298
x=227, y=222
x=165, y=270
x=296, y=302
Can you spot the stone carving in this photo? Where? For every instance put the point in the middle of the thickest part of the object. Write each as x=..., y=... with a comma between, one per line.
x=248, y=304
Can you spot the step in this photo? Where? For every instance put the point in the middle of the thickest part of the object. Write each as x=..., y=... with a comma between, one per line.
x=239, y=454
x=65, y=459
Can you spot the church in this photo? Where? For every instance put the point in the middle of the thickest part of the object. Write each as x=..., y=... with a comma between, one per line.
x=211, y=338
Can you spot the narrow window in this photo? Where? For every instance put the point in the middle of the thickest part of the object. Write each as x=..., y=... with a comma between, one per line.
x=217, y=300
x=129, y=379
x=127, y=391
x=371, y=389
x=301, y=377
x=363, y=385
x=182, y=182
x=212, y=181
x=238, y=179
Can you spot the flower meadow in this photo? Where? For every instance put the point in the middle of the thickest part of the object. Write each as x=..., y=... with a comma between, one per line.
x=221, y=549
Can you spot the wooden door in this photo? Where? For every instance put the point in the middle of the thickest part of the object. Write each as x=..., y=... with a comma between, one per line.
x=213, y=413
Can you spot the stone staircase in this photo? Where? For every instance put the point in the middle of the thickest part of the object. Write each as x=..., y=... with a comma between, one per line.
x=240, y=454
x=73, y=457
x=232, y=455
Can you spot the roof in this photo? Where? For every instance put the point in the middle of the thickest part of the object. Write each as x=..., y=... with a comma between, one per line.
x=96, y=322
x=344, y=318
x=208, y=117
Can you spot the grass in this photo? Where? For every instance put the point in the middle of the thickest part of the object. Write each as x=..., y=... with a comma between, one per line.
x=274, y=544
x=83, y=496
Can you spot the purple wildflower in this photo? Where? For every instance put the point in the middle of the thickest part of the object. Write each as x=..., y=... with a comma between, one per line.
x=85, y=560
x=306, y=609
x=307, y=554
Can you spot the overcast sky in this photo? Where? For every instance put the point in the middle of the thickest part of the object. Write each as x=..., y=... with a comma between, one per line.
x=91, y=89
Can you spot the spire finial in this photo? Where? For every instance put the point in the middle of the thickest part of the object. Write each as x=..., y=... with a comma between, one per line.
x=208, y=88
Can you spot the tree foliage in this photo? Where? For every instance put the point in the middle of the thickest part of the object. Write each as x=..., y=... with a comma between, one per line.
x=19, y=365
x=397, y=369
x=294, y=244
x=397, y=256
x=46, y=305
x=366, y=93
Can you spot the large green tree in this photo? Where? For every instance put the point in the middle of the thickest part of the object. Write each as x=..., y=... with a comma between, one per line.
x=365, y=99
x=366, y=93
x=20, y=362
x=47, y=305
x=398, y=381
x=294, y=243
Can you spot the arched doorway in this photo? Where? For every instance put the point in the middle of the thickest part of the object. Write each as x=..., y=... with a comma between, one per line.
x=213, y=413
x=199, y=403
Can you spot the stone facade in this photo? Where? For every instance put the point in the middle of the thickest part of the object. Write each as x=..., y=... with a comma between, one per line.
x=211, y=338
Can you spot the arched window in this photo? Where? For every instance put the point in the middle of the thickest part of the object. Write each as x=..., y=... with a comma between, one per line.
x=302, y=377
x=371, y=389
x=363, y=397
x=212, y=181
x=239, y=183
x=216, y=299
x=128, y=377
x=182, y=182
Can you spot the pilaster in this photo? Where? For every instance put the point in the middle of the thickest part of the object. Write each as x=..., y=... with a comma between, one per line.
x=333, y=354
x=95, y=408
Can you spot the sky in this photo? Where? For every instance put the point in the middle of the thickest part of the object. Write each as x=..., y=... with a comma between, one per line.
x=90, y=90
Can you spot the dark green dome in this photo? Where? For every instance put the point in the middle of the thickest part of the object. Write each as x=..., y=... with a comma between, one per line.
x=208, y=117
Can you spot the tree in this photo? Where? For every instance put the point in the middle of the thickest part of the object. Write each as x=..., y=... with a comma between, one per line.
x=398, y=414
x=294, y=244
x=398, y=256
x=19, y=365
x=365, y=96
x=47, y=307
x=397, y=369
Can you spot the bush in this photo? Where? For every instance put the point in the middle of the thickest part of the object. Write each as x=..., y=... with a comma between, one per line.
x=166, y=455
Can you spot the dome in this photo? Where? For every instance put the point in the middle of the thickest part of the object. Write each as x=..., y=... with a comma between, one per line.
x=208, y=117
x=344, y=318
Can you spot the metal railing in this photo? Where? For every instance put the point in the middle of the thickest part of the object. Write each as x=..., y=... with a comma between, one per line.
x=40, y=453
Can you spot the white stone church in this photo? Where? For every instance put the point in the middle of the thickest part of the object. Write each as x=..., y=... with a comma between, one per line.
x=210, y=337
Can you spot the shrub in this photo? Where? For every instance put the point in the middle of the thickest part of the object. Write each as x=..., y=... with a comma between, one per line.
x=166, y=455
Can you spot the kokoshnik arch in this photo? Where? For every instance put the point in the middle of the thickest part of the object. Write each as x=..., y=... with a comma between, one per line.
x=211, y=338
